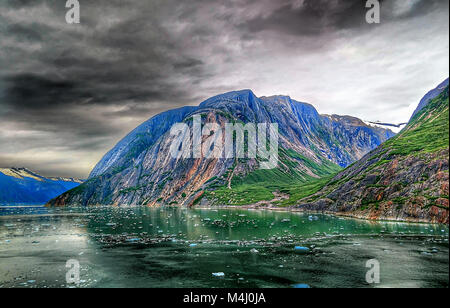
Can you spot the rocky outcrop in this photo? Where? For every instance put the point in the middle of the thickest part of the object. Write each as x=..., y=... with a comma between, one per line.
x=140, y=170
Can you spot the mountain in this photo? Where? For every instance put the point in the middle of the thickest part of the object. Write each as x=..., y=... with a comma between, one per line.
x=22, y=186
x=139, y=170
x=405, y=179
x=429, y=96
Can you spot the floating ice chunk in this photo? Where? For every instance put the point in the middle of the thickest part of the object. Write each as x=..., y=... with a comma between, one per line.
x=254, y=251
x=133, y=240
x=220, y=274
x=193, y=245
x=301, y=286
x=301, y=249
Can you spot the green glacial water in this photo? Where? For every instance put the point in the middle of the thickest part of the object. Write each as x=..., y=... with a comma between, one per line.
x=143, y=247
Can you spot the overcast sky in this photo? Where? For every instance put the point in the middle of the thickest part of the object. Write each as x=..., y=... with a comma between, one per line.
x=68, y=93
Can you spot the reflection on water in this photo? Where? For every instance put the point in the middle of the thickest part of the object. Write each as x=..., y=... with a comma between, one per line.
x=142, y=247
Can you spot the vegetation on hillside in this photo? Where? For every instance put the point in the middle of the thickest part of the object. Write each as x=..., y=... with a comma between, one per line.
x=428, y=131
x=286, y=181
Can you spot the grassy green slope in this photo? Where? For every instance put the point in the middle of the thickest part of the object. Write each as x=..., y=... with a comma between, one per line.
x=428, y=131
x=260, y=185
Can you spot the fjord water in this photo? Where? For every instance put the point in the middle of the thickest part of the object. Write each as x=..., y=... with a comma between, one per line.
x=171, y=247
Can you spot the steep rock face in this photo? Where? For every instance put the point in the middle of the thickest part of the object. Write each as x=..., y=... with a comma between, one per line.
x=22, y=186
x=140, y=170
x=406, y=179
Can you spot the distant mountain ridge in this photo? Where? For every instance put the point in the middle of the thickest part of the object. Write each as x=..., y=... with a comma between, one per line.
x=140, y=171
x=23, y=186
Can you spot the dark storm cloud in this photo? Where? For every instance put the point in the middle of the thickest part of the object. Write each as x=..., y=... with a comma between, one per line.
x=21, y=3
x=311, y=17
x=30, y=92
x=315, y=17
x=141, y=70
x=24, y=33
x=72, y=91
